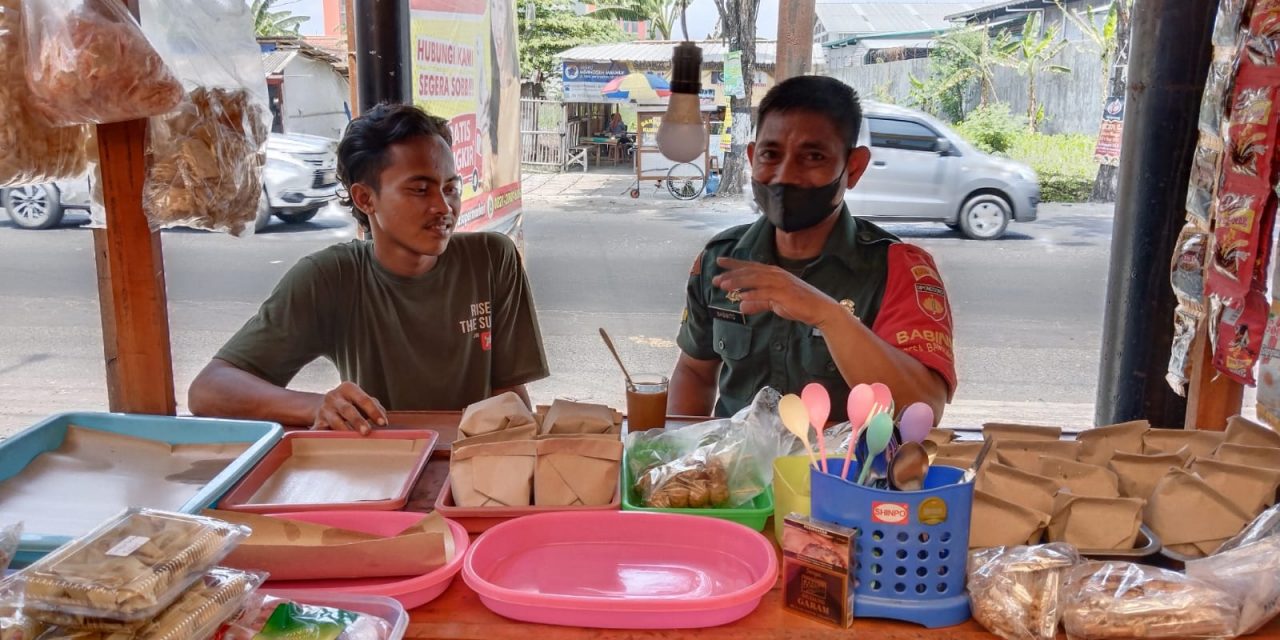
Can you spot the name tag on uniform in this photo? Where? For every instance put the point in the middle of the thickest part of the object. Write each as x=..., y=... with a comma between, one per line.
x=728, y=315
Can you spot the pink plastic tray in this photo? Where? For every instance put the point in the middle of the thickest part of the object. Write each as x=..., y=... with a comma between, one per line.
x=410, y=592
x=621, y=570
x=237, y=499
x=481, y=519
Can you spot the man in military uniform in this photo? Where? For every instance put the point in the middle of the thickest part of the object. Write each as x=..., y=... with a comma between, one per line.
x=808, y=293
x=417, y=318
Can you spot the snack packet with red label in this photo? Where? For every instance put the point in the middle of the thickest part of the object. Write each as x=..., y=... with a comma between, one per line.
x=1240, y=331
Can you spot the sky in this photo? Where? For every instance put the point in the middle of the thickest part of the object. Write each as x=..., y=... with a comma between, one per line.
x=701, y=16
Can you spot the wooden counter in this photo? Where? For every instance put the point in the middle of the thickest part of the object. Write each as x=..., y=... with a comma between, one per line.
x=459, y=614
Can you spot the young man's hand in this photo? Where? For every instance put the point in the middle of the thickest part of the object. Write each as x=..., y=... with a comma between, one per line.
x=348, y=408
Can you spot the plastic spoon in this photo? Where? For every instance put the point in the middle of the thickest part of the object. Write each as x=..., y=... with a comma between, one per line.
x=915, y=422
x=795, y=417
x=861, y=401
x=883, y=398
x=818, y=402
x=910, y=465
x=878, y=434
x=930, y=448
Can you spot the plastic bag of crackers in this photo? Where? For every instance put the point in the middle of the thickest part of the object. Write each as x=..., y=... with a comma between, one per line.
x=206, y=156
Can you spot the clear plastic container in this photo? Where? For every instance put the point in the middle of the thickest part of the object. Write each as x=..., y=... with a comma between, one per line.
x=197, y=614
x=129, y=569
x=385, y=609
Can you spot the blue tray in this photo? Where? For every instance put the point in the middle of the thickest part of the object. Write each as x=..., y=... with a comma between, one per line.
x=18, y=452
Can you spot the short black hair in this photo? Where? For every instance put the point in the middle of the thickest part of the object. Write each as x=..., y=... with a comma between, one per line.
x=828, y=97
x=362, y=153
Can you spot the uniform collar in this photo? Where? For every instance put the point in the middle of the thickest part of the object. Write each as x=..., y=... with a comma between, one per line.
x=757, y=244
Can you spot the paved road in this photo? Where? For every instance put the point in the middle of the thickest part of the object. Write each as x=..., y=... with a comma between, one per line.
x=1028, y=307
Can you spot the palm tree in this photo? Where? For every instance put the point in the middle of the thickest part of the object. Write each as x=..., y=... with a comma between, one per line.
x=1033, y=55
x=269, y=23
x=976, y=56
x=661, y=15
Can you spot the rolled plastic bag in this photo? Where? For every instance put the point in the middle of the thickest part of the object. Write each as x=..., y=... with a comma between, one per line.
x=1103, y=600
x=1266, y=525
x=31, y=150
x=205, y=158
x=1014, y=591
x=88, y=62
x=1251, y=574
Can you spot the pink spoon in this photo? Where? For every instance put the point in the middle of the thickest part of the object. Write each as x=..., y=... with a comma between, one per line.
x=818, y=401
x=861, y=402
x=883, y=398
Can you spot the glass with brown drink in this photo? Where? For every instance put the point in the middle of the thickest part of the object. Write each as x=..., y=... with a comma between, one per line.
x=646, y=402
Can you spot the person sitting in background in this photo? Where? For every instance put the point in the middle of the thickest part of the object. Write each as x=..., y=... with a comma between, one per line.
x=618, y=129
x=417, y=318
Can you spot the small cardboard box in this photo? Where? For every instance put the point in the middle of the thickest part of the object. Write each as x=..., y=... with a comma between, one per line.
x=818, y=570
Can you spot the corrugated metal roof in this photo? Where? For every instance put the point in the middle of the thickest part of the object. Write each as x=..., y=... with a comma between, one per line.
x=894, y=43
x=274, y=62
x=659, y=51
x=866, y=19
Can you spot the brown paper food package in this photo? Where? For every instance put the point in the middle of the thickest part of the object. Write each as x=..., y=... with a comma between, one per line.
x=567, y=417
x=577, y=472
x=1241, y=430
x=966, y=451
x=1098, y=445
x=1081, y=479
x=1092, y=523
x=1184, y=509
x=1000, y=523
x=1139, y=474
x=498, y=413
x=1019, y=487
x=498, y=474
x=1251, y=489
x=1201, y=443
x=295, y=550
x=1026, y=454
x=1005, y=431
x=506, y=435
x=1264, y=457
x=941, y=436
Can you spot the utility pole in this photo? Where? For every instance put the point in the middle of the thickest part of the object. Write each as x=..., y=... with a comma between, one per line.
x=795, y=39
x=384, y=68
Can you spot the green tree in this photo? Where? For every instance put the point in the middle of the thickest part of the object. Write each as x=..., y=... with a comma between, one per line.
x=1033, y=55
x=555, y=29
x=662, y=15
x=271, y=22
x=959, y=58
x=738, y=22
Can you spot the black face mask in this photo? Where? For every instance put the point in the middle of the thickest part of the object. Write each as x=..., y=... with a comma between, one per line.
x=791, y=208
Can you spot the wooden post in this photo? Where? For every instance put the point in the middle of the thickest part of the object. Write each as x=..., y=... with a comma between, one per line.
x=795, y=39
x=131, y=290
x=1211, y=396
x=353, y=83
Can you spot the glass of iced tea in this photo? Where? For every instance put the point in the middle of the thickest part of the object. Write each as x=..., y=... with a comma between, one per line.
x=647, y=402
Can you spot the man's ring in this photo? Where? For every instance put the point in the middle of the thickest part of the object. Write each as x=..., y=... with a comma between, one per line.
x=735, y=295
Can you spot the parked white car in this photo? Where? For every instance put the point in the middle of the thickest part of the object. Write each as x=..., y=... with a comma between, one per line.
x=922, y=171
x=298, y=180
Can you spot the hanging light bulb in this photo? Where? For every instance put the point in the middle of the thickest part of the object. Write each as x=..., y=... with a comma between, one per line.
x=682, y=136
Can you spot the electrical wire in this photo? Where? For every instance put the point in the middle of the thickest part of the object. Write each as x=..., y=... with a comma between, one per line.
x=684, y=26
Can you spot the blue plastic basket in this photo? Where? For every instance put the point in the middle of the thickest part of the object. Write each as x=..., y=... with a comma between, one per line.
x=912, y=545
x=18, y=452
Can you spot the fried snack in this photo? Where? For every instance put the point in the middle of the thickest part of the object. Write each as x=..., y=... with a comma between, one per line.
x=200, y=609
x=1125, y=600
x=1014, y=590
x=94, y=65
x=31, y=151
x=206, y=163
x=127, y=570
x=685, y=484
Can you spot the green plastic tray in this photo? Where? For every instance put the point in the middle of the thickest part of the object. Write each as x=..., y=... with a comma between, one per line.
x=755, y=515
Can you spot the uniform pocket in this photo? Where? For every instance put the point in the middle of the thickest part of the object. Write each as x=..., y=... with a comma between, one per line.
x=732, y=341
x=816, y=358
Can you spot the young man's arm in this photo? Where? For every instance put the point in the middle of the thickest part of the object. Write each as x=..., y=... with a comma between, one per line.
x=225, y=391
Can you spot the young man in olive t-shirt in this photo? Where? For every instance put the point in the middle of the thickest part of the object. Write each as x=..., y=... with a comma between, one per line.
x=415, y=319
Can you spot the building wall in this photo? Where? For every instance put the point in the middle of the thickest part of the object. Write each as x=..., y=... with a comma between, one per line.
x=334, y=17
x=315, y=99
x=1072, y=102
